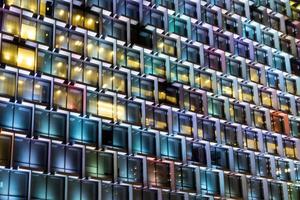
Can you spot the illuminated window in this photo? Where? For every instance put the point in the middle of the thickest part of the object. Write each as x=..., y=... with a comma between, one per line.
x=156, y=118
x=203, y=80
x=265, y=98
x=114, y=80
x=141, y=87
x=34, y=89
x=258, y=118
x=69, y=41
x=168, y=94
x=128, y=58
x=246, y=93
x=284, y=103
x=193, y=101
x=78, y=17
x=84, y=72
x=100, y=104
x=61, y=11
x=68, y=97
x=154, y=66
x=178, y=26
x=254, y=74
x=11, y=23
x=270, y=144
x=289, y=148
x=166, y=45
x=54, y=64
x=28, y=30
x=182, y=124
x=7, y=83
x=180, y=73
x=250, y=139
x=290, y=85
x=129, y=111
x=105, y=51
x=226, y=87
x=282, y=170
x=206, y=129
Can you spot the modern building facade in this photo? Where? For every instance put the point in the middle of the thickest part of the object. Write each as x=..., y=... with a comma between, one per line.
x=147, y=100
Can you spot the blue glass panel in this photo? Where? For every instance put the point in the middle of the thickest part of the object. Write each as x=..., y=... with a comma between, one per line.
x=75, y=128
x=6, y=115
x=22, y=118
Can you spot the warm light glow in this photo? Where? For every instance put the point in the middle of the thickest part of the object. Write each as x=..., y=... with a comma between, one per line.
x=59, y=64
x=2, y=78
x=37, y=86
x=26, y=58
x=61, y=38
x=61, y=12
x=28, y=32
x=78, y=17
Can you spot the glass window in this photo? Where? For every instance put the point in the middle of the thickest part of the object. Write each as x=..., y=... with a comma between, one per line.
x=170, y=147
x=250, y=139
x=293, y=192
x=279, y=62
x=219, y=157
x=254, y=74
x=7, y=83
x=267, y=39
x=83, y=130
x=28, y=29
x=129, y=111
x=10, y=23
x=5, y=150
x=295, y=127
x=66, y=159
x=255, y=188
x=130, y=169
x=100, y=105
x=221, y=41
x=275, y=190
x=203, y=80
x=237, y=113
x=241, y=48
x=107, y=4
x=154, y=66
x=239, y=8
x=193, y=101
x=270, y=143
x=180, y=73
x=14, y=184
x=229, y=134
x=185, y=178
x=234, y=67
x=209, y=182
x=209, y=16
x=246, y=93
x=114, y=191
x=114, y=136
x=216, y=107
x=289, y=148
x=242, y=161
x=143, y=142
x=233, y=186
x=129, y=58
x=50, y=124
x=168, y=94
x=249, y=32
x=153, y=17
x=258, y=118
x=196, y=153
x=263, y=166
x=144, y=194
x=99, y=164
x=212, y=60
x=166, y=45
x=290, y=85
x=143, y=88
x=226, y=87
x=206, y=129
x=32, y=154
x=82, y=189
x=114, y=80
x=158, y=174
x=282, y=170
x=47, y=186
x=265, y=98
x=129, y=9
x=61, y=11
x=54, y=64
x=114, y=28
x=284, y=104
x=178, y=26
x=272, y=80
x=68, y=97
x=156, y=118
x=200, y=34
x=182, y=124
x=261, y=56
x=84, y=73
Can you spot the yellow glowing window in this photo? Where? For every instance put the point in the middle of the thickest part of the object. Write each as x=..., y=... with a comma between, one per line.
x=26, y=58
x=13, y=2
x=271, y=147
x=254, y=75
x=7, y=84
x=251, y=144
x=266, y=99
x=205, y=81
x=290, y=86
x=290, y=152
x=226, y=87
x=259, y=119
x=105, y=52
x=9, y=54
x=133, y=62
x=60, y=96
x=29, y=4
x=91, y=22
x=11, y=24
x=105, y=107
x=121, y=112
x=28, y=30
x=77, y=19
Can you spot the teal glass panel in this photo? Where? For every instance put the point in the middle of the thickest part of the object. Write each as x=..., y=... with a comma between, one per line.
x=144, y=143
x=6, y=115
x=22, y=118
